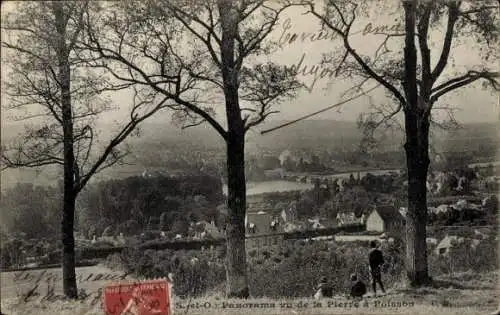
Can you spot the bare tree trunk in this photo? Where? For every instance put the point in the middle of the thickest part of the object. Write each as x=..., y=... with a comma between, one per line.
x=68, y=217
x=68, y=240
x=417, y=159
x=236, y=261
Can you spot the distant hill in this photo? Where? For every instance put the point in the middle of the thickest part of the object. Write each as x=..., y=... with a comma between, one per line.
x=307, y=133
x=160, y=140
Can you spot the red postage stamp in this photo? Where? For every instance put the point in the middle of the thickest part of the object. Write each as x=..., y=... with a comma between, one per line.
x=138, y=298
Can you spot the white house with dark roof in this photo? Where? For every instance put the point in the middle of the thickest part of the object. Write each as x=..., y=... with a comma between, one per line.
x=447, y=243
x=385, y=219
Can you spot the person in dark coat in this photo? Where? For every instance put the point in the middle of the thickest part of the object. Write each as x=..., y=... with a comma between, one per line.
x=358, y=288
x=376, y=259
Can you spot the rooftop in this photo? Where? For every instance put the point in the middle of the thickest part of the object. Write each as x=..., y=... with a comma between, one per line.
x=389, y=213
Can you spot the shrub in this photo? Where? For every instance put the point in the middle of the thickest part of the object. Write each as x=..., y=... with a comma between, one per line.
x=464, y=258
x=191, y=277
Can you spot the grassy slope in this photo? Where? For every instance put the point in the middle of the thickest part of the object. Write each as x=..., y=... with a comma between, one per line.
x=466, y=293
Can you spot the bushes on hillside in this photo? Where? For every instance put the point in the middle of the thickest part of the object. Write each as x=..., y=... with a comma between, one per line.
x=298, y=265
x=293, y=270
x=195, y=272
x=463, y=258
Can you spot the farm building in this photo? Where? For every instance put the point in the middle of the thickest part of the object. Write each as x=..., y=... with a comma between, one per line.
x=385, y=219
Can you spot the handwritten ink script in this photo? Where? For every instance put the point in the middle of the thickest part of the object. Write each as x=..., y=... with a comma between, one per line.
x=51, y=276
x=42, y=286
x=323, y=70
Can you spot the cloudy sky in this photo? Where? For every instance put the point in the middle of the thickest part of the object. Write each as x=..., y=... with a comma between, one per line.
x=472, y=103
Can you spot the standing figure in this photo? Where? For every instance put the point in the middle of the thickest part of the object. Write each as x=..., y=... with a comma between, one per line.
x=376, y=260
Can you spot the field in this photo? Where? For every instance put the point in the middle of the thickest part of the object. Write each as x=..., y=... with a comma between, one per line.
x=462, y=293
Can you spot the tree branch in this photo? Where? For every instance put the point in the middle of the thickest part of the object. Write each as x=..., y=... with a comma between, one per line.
x=464, y=80
x=453, y=11
x=423, y=28
x=122, y=135
x=355, y=55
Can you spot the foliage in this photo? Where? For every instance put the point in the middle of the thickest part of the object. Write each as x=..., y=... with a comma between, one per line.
x=33, y=211
x=197, y=273
x=455, y=216
x=129, y=228
x=129, y=203
x=299, y=266
x=463, y=258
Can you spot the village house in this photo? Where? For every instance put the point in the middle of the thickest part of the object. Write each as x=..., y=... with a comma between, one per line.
x=385, y=219
x=262, y=229
x=289, y=214
x=447, y=243
x=349, y=218
x=204, y=229
x=315, y=224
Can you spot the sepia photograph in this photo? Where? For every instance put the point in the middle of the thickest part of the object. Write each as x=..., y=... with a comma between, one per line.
x=230, y=157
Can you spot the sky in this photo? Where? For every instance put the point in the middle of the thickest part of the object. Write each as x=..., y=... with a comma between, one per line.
x=472, y=103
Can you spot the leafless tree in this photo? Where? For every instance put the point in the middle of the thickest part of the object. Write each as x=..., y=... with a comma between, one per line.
x=203, y=55
x=50, y=86
x=414, y=85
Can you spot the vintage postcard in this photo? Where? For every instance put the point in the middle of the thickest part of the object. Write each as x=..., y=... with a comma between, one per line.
x=250, y=157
